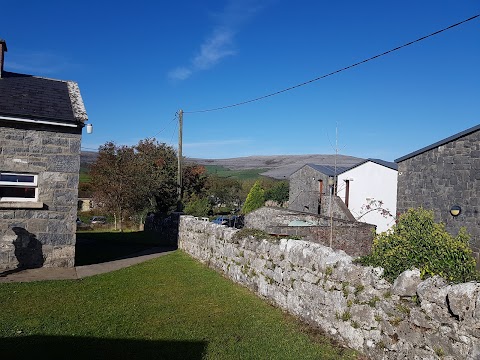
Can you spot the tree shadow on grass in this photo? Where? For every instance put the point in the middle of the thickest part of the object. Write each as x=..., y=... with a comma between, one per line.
x=70, y=347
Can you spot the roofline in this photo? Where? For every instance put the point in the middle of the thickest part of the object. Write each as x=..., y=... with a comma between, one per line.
x=40, y=121
x=375, y=161
x=336, y=168
x=439, y=143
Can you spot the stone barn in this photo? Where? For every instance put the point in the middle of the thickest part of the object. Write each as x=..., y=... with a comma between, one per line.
x=41, y=122
x=443, y=175
x=312, y=189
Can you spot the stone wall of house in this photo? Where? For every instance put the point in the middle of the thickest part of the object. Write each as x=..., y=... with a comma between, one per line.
x=304, y=195
x=35, y=237
x=442, y=177
x=353, y=237
x=411, y=319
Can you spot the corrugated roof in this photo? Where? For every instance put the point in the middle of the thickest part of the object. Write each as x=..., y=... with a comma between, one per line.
x=329, y=170
x=439, y=143
x=27, y=96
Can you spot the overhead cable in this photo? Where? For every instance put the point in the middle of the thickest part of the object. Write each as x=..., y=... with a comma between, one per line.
x=336, y=71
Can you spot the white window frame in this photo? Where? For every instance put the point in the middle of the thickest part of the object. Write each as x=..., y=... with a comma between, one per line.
x=33, y=184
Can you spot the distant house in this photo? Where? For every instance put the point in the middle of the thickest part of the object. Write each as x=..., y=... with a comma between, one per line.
x=312, y=190
x=41, y=122
x=369, y=190
x=442, y=175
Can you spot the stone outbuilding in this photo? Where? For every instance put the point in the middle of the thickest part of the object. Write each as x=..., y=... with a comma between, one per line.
x=313, y=187
x=41, y=123
x=441, y=176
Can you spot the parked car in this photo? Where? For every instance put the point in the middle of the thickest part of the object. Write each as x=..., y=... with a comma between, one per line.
x=235, y=221
x=221, y=220
x=98, y=220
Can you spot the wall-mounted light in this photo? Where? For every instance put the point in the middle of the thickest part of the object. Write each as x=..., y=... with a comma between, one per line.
x=455, y=210
x=89, y=128
x=331, y=180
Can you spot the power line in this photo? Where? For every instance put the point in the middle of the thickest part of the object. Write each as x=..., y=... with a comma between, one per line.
x=336, y=71
x=165, y=127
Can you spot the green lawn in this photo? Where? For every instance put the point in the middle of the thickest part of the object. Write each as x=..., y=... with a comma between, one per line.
x=246, y=174
x=168, y=308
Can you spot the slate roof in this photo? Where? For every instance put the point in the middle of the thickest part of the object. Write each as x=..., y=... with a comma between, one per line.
x=31, y=97
x=439, y=143
x=388, y=164
x=329, y=170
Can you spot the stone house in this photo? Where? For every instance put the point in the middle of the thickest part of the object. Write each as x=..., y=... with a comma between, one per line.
x=41, y=123
x=369, y=190
x=442, y=175
x=313, y=187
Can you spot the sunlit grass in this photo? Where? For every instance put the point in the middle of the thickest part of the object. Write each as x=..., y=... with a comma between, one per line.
x=173, y=307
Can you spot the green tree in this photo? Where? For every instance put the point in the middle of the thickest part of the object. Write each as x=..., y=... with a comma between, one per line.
x=224, y=191
x=278, y=192
x=133, y=180
x=114, y=177
x=416, y=241
x=255, y=198
x=197, y=206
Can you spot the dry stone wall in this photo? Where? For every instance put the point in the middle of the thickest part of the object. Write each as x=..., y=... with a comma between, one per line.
x=353, y=237
x=410, y=319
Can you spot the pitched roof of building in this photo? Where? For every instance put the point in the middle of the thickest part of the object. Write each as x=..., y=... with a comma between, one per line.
x=388, y=164
x=329, y=170
x=439, y=143
x=26, y=96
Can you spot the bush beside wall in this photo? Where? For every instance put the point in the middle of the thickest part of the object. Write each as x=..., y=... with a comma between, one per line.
x=412, y=318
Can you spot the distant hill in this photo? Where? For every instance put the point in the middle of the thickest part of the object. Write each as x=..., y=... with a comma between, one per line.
x=279, y=166
x=275, y=166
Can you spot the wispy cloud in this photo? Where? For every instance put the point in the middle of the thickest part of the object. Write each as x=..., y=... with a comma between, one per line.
x=219, y=44
x=36, y=62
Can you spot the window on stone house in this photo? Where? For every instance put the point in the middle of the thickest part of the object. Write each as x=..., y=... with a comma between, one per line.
x=18, y=187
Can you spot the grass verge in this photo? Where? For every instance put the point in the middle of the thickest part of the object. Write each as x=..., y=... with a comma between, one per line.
x=168, y=308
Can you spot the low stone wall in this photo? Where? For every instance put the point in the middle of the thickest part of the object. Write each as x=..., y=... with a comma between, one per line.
x=353, y=237
x=411, y=319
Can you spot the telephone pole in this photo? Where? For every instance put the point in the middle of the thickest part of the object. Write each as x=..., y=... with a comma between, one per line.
x=179, y=176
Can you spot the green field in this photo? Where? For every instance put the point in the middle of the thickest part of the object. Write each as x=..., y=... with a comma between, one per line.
x=246, y=174
x=171, y=307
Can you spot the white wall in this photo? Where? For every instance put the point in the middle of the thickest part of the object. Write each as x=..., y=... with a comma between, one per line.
x=370, y=181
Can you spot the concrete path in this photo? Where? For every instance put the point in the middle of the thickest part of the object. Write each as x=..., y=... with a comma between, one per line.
x=80, y=272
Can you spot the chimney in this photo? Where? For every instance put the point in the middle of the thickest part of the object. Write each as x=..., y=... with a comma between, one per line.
x=3, y=50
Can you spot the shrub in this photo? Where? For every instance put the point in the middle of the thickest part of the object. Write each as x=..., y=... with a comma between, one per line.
x=416, y=241
x=255, y=199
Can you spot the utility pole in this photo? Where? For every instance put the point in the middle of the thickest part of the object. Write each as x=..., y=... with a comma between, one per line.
x=334, y=187
x=179, y=176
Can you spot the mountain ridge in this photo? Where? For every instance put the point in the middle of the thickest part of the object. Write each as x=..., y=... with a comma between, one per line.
x=279, y=166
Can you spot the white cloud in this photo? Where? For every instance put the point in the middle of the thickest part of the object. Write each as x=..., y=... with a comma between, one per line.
x=214, y=49
x=180, y=73
x=219, y=44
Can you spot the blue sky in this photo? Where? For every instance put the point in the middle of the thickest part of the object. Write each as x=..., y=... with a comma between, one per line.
x=137, y=63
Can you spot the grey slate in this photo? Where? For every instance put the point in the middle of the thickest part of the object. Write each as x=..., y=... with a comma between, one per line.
x=329, y=170
x=27, y=96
